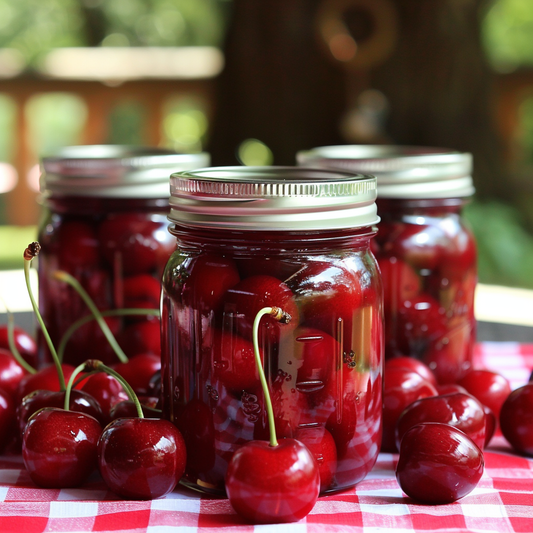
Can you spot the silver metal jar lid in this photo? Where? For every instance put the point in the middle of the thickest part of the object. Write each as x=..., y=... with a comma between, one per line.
x=114, y=171
x=402, y=171
x=272, y=198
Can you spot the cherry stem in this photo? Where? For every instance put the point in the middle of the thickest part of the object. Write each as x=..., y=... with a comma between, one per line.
x=11, y=342
x=281, y=316
x=112, y=312
x=30, y=252
x=93, y=365
x=70, y=384
x=75, y=284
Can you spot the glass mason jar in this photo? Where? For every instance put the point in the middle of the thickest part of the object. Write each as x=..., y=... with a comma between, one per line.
x=105, y=223
x=426, y=252
x=250, y=237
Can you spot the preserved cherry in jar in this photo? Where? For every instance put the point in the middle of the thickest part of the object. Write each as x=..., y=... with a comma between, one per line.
x=426, y=252
x=255, y=237
x=105, y=223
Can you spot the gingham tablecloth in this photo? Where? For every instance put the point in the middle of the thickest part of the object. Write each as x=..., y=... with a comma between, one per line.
x=501, y=503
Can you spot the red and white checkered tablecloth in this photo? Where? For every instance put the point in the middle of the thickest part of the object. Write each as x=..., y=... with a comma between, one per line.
x=501, y=503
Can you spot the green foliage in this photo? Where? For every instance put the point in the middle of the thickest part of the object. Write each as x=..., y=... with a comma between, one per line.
x=34, y=27
x=505, y=248
x=55, y=120
x=161, y=22
x=507, y=32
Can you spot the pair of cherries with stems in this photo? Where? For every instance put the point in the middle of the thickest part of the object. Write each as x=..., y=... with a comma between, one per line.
x=144, y=458
x=138, y=457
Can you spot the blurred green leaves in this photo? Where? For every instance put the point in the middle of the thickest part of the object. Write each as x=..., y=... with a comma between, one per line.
x=33, y=27
x=507, y=33
x=505, y=248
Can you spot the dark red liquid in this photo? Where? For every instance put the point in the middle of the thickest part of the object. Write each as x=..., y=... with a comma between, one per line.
x=324, y=368
x=117, y=250
x=428, y=264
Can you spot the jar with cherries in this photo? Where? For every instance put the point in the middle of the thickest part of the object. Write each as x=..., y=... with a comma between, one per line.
x=105, y=224
x=426, y=252
x=293, y=238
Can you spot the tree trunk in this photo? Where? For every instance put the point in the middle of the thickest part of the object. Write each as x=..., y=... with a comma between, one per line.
x=283, y=87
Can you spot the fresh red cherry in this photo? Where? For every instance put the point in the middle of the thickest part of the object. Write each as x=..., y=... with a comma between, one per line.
x=321, y=444
x=490, y=388
x=273, y=484
x=414, y=364
x=400, y=282
x=243, y=301
x=24, y=342
x=516, y=419
x=44, y=379
x=7, y=419
x=208, y=278
x=106, y=390
x=138, y=371
x=401, y=388
x=270, y=482
x=462, y=411
x=438, y=464
x=326, y=293
x=491, y=422
x=59, y=447
x=128, y=409
x=449, y=388
x=134, y=244
x=141, y=458
x=80, y=402
x=11, y=373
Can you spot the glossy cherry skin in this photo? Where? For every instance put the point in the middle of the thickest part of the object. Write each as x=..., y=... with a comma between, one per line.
x=127, y=409
x=490, y=388
x=7, y=419
x=462, y=411
x=106, y=390
x=59, y=447
x=80, y=402
x=24, y=343
x=11, y=373
x=44, y=379
x=141, y=458
x=273, y=484
x=411, y=363
x=139, y=370
x=401, y=388
x=438, y=464
x=516, y=419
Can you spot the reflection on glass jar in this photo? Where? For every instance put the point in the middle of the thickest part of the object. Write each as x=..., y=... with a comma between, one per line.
x=105, y=223
x=250, y=238
x=426, y=253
